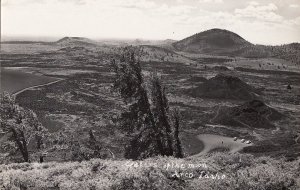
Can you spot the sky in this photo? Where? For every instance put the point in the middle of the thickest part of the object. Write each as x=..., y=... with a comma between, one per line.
x=270, y=22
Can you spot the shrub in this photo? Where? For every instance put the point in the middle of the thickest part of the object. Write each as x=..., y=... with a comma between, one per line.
x=263, y=173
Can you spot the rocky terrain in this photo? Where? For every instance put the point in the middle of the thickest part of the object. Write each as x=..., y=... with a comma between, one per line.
x=225, y=87
x=222, y=84
x=252, y=114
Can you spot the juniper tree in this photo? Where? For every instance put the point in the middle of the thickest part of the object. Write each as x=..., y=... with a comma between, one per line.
x=161, y=113
x=146, y=122
x=98, y=148
x=178, y=152
x=20, y=125
x=138, y=120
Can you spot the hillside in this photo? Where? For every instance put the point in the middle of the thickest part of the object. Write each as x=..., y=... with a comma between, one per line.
x=149, y=53
x=216, y=171
x=220, y=42
x=75, y=41
x=253, y=114
x=224, y=86
x=168, y=41
x=289, y=52
x=216, y=41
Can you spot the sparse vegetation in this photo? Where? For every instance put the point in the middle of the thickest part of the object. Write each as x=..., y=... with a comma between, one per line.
x=241, y=171
x=21, y=127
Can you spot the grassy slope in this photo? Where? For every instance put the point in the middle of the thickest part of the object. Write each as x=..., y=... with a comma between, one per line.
x=241, y=171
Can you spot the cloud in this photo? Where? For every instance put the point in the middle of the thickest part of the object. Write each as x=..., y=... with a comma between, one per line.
x=256, y=11
x=155, y=19
x=293, y=22
x=12, y=3
x=253, y=3
x=138, y=4
x=16, y=3
x=211, y=1
x=76, y=2
x=294, y=6
x=174, y=10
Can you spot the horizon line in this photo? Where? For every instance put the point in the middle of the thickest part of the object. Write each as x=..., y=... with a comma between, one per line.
x=44, y=38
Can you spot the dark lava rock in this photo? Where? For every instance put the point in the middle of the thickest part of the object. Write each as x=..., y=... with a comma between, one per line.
x=220, y=68
x=252, y=114
x=215, y=41
x=225, y=87
x=197, y=79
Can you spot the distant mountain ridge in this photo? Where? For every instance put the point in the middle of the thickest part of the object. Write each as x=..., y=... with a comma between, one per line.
x=214, y=42
x=227, y=43
x=72, y=38
x=76, y=41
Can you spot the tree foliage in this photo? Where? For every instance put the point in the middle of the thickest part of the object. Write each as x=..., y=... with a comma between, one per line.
x=146, y=118
x=20, y=127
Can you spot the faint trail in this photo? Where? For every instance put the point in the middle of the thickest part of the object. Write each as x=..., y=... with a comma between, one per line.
x=111, y=153
x=40, y=85
x=244, y=124
x=297, y=138
x=276, y=130
x=258, y=136
x=217, y=114
x=269, y=114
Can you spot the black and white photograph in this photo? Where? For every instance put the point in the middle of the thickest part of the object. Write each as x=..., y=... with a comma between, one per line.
x=150, y=95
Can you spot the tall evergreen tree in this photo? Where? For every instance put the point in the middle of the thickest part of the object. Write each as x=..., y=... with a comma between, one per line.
x=146, y=122
x=161, y=113
x=138, y=120
x=178, y=152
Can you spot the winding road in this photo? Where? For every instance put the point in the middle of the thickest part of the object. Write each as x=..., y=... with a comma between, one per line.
x=40, y=85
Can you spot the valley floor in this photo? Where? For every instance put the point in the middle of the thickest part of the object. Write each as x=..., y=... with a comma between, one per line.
x=84, y=101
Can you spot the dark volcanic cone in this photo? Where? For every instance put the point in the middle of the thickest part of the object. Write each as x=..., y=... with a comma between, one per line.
x=252, y=114
x=225, y=87
x=220, y=68
x=214, y=41
x=76, y=41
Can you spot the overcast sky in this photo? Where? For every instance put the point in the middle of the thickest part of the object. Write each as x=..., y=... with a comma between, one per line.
x=258, y=21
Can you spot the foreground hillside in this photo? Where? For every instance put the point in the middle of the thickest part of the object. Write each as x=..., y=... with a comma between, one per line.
x=216, y=171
